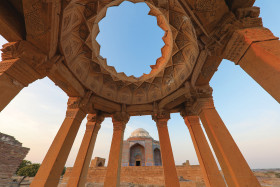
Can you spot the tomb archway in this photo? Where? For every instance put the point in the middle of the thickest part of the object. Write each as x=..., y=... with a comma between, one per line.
x=157, y=157
x=137, y=155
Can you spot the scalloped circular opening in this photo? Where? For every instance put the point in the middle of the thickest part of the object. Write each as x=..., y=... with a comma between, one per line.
x=130, y=39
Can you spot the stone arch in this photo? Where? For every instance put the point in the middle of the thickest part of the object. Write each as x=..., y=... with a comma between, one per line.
x=137, y=155
x=157, y=157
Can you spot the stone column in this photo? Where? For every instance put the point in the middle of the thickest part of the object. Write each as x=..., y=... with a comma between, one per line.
x=235, y=168
x=169, y=168
x=21, y=64
x=211, y=174
x=112, y=178
x=79, y=172
x=257, y=51
x=55, y=159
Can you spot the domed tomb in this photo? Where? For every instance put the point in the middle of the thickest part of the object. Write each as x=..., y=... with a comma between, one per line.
x=140, y=149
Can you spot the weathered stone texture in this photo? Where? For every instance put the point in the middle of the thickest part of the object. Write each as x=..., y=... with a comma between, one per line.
x=12, y=153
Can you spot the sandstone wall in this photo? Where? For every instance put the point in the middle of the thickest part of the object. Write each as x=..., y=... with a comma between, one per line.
x=189, y=174
x=11, y=155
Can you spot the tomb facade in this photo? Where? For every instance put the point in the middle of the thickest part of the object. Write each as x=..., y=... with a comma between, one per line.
x=140, y=149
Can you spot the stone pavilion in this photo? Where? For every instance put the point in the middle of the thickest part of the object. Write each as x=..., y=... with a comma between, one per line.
x=57, y=39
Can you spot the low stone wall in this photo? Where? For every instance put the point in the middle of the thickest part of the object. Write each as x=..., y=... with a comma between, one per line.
x=189, y=175
x=11, y=155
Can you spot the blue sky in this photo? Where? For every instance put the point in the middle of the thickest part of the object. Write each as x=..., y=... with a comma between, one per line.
x=131, y=43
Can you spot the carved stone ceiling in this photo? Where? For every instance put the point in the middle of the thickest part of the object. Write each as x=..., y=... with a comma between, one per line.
x=170, y=71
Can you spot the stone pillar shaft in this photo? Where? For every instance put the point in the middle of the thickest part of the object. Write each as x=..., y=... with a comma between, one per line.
x=79, y=172
x=235, y=168
x=115, y=157
x=262, y=63
x=55, y=159
x=257, y=51
x=210, y=170
x=169, y=168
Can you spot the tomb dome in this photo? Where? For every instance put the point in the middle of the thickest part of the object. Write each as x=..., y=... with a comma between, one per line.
x=140, y=132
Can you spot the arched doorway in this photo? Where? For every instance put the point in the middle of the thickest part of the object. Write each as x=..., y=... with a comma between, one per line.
x=137, y=155
x=100, y=164
x=157, y=157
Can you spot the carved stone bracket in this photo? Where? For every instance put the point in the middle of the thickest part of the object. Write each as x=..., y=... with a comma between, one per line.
x=25, y=50
x=249, y=12
x=74, y=102
x=198, y=96
x=204, y=91
x=187, y=111
x=94, y=122
x=243, y=30
x=240, y=19
x=25, y=63
x=78, y=106
x=242, y=39
x=249, y=17
x=79, y=102
x=194, y=92
x=203, y=103
x=120, y=120
x=161, y=118
x=96, y=118
x=73, y=109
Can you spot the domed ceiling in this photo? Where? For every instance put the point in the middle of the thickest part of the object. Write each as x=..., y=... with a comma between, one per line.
x=170, y=71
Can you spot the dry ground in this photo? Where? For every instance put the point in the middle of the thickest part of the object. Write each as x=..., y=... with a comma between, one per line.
x=267, y=178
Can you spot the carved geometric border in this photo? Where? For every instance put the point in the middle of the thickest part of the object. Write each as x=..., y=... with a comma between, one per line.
x=168, y=74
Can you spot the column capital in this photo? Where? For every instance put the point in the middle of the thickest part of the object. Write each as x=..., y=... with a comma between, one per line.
x=190, y=116
x=79, y=102
x=77, y=105
x=94, y=121
x=241, y=40
x=161, y=116
x=203, y=103
x=188, y=110
x=95, y=117
x=201, y=99
x=191, y=120
x=120, y=120
x=203, y=91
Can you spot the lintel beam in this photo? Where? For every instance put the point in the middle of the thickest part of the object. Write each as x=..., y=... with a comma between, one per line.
x=63, y=78
x=12, y=24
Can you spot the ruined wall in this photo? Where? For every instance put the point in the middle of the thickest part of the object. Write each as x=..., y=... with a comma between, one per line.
x=97, y=162
x=12, y=153
x=144, y=175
